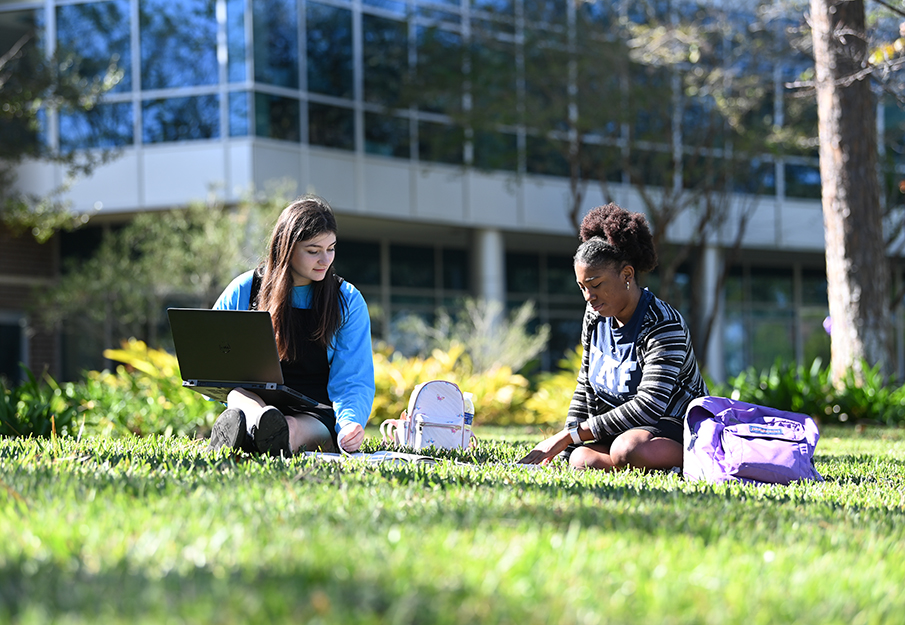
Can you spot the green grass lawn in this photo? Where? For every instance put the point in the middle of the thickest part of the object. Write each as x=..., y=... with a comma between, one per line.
x=158, y=530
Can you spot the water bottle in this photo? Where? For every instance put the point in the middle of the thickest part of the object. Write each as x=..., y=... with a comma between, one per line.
x=469, y=407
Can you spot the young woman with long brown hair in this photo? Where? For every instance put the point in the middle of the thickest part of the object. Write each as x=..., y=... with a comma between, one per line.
x=323, y=336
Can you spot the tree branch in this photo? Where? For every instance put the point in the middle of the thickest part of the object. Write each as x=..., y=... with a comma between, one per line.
x=895, y=10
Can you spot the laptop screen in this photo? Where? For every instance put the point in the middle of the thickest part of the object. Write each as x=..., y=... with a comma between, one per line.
x=235, y=346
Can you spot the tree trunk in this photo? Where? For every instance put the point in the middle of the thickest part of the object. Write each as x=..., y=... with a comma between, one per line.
x=857, y=274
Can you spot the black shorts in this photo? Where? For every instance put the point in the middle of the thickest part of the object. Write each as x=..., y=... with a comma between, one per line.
x=664, y=428
x=327, y=417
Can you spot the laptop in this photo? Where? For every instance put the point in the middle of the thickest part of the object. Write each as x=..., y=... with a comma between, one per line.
x=221, y=350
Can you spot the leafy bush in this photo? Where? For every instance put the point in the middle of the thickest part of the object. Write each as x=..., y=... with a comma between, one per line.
x=37, y=409
x=810, y=391
x=479, y=328
x=144, y=396
x=499, y=394
x=549, y=404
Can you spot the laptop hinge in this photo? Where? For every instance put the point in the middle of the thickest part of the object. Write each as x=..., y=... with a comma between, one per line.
x=191, y=382
x=270, y=386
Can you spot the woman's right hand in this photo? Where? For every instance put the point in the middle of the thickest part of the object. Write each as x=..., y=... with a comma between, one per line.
x=351, y=437
x=548, y=449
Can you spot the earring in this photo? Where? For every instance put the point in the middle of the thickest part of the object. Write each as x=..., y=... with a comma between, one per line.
x=627, y=285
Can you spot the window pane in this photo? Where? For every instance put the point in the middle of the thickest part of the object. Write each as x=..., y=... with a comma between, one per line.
x=181, y=119
x=107, y=125
x=771, y=337
x=813, y=288
x=331, y=126
x=455, y=270
x=597, y=16
x=178, y=43
x=10, y=351
x=440, y=143
x=238, y=114
x=13, y=26
x=734, y=289
x=894, y=129
x=439, y=70
x=385, y=57
x=99, y=34
x=651, y=103
x=598, y=81
x=495, y=150
x=757, y=177
x=546, y=11
x=802, y=181
x=387, y=136
x=394, y=6
x=561, y=276
x=411, y=266
x=601, y=162
x=358, y=262
x=523, y=273
x=277, y=117
x=565, y=336
x=800, y=114
x=734, y=342
x=235, y=39
x=546, y=156
x=705, y=172
x=276, y=42
x=496, y=7
x=493, y=80
x=546, y=82
x=329, y=50
x=814, y=337
x=410, y=303
x=769, y=286
x=652, y=168
x=439, y=15
x=702, y=125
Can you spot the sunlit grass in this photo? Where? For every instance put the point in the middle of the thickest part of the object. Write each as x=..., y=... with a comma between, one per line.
x=160, y=530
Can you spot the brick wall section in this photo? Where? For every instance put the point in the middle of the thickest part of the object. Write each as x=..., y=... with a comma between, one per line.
x=26, y=266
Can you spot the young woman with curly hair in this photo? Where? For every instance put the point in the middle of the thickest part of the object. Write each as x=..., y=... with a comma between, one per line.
x=323, y=335
x=638, y=371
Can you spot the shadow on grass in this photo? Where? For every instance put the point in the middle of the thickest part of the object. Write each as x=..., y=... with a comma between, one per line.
x=204, y=595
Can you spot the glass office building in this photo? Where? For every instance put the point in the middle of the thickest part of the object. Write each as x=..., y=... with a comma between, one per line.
x=226, y=95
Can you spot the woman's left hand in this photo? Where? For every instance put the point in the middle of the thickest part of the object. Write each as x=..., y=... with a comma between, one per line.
x=548, y=449
x=350, y=437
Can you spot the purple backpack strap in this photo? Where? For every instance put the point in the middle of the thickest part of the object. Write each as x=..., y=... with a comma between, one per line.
x=730, y=440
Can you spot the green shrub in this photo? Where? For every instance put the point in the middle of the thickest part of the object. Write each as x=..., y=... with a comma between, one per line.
x=36, y=408
x=499, y=394
x=490, y=339
x=144, y=396
x=876, y=399
x=549, y=404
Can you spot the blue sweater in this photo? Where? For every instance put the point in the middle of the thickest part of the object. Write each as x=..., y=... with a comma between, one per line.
x=351, y=380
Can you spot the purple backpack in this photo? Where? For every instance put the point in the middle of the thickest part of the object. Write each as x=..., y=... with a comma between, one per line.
x=729, y=440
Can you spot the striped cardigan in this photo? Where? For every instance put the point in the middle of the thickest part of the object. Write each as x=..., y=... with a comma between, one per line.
x=670, y=378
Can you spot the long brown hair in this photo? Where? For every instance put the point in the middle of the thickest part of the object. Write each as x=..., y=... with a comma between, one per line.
x=307, y=217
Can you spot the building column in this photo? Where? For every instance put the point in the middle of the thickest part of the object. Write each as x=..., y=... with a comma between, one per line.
x=713, y=305
x=489, y=269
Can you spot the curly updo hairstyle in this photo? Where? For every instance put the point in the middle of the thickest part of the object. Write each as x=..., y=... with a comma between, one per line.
x=611, y=236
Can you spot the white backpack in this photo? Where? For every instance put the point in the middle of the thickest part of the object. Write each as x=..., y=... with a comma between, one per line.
x=435, y=417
